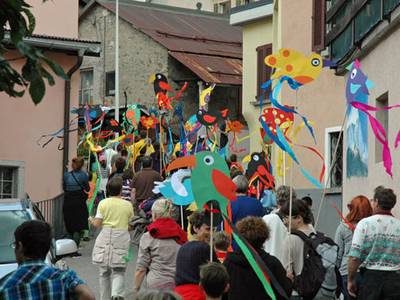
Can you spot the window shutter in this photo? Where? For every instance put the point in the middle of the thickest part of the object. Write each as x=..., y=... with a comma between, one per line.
x=318, y=25
x=263, y=71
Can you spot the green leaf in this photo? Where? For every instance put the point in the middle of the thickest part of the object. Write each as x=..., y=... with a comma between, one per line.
x=48, y=76
x=56, y=68
x=37, y=89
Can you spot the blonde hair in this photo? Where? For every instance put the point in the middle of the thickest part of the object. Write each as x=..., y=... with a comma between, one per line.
x=161, y=208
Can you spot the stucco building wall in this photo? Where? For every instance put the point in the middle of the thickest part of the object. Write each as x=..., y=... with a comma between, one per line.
x=255, y=34
x=381, y=72
x=322, y=101
x=22, y=125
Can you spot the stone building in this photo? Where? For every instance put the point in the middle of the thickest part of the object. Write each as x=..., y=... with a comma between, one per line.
x=186, y=45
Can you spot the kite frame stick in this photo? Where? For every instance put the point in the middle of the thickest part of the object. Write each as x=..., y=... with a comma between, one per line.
x=211, y=232
x=182, y=225
x=334, y=159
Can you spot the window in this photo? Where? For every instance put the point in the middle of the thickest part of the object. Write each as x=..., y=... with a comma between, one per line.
x=110, y=83
x=332, y=143
x=222, y=7
x=383, y=117
x=8, y=182
x=318, y=25
x=263, y=71
x=390, y=5
x=367, y=18
x=86, y=88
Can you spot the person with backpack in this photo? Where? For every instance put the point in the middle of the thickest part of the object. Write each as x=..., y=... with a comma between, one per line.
x=359, y=208
x=309, y=256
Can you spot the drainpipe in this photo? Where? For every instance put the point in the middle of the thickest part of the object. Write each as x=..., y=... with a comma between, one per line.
x=67, y=108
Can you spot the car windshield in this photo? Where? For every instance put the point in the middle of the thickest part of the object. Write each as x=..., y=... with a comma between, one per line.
x=9, y=221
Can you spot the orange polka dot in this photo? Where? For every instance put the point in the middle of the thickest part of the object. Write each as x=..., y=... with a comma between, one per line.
x=286, y=53
x=289, y=68
x=272, y=60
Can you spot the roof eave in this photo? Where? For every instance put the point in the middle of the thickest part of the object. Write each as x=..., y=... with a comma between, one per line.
x=83, y=48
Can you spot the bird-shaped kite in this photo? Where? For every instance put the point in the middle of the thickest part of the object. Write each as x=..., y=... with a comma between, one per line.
x=210, y=182
x=259, y=172
x=205, y=95
x=178, y=188
x=161, y=87
x=210, y=118
x=357, y=91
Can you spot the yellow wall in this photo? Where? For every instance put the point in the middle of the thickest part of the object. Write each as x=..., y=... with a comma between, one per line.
x=254, y=34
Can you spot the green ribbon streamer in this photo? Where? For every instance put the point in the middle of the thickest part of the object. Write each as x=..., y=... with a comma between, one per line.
x=96, y=190
x=255, y=266
x=128, y=257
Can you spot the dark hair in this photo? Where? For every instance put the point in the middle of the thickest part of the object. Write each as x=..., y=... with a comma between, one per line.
x=143, y=134
x=386, y=197
x=283, y=194
x=233, y=158
x=77, y=163
x=235, y=172
x=124, y=152
x=35, y=237
x=114, y=186
x=299, y=208
x=120, y=164
x=128, y=174
x=307, y=200
x=119, y=147
x=254, y=230
x=156, y=146
x=197, y=219
x=222, y=241
x=214, y=278
x=147, y=162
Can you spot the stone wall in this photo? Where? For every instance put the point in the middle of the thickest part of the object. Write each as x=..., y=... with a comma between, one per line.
x=140, y=57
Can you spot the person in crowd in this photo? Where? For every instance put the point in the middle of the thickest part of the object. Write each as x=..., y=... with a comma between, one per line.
x=376, y=248
x=222, y=241
x=359, y=208
x=158, y=249
x=234, y=165
x=34, y=279
x=105, y=172
x=241, y=274
x=143, y=182
x=157, y=295
x=244, y=205
x=115, y=156
x=155, y=156
x=76, y=189
x=109, y=154
x=274, y=220
x=120, y=164
x=308, y=200
x=126, y=184
x=214, y=280
x=234, y=172
x=112, y=244
x=191, y=256
x=293, y=258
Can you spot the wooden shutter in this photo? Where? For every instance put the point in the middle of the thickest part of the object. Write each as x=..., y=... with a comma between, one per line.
x=318, y=25
x=263, y=71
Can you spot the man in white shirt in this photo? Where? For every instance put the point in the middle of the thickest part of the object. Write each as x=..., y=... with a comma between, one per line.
x=376, y=249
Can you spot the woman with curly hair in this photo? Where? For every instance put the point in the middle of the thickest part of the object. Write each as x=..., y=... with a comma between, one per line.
x=359, y=208
x=241, y=274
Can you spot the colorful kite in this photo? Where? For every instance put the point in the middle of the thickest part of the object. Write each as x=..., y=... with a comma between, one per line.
x=357, y=91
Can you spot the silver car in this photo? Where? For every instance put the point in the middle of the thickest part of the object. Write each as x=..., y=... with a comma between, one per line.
x=14, y=212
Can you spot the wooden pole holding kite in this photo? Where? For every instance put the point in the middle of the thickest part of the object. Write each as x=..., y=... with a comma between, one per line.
x=211, y=232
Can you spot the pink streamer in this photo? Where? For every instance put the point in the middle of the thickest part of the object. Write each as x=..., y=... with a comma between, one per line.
x=379, y=132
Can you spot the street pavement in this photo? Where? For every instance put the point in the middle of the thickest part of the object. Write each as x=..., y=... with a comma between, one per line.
x=83, y=266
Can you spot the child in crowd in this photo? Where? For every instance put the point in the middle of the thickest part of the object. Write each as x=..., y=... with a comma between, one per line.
x=214, y=280
x=222, y=242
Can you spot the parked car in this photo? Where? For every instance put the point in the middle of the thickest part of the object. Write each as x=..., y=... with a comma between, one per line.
x=14, y=212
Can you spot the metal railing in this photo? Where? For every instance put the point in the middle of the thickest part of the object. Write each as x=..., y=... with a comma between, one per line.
x=51, y=210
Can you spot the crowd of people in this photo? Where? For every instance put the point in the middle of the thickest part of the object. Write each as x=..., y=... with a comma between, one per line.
x=177, y=259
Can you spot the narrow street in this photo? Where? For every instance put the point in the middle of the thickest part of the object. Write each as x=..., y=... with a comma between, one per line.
x=89, y=273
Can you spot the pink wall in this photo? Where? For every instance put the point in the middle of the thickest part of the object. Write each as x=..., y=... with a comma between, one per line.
x=56, y=17
x=22, y=123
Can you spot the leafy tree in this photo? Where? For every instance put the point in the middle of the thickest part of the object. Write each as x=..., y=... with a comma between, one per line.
x=16, y=23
